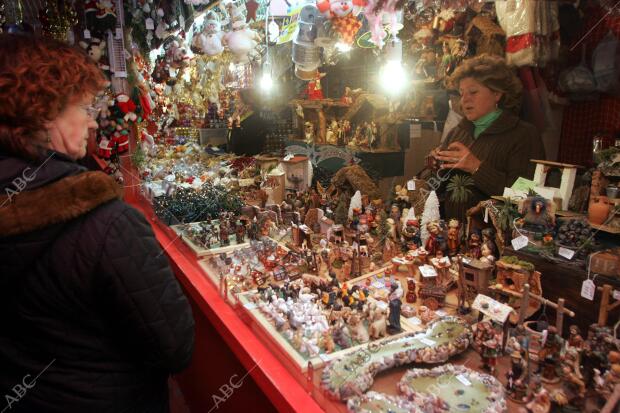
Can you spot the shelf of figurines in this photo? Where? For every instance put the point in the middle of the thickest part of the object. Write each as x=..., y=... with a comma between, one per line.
x=559, y=236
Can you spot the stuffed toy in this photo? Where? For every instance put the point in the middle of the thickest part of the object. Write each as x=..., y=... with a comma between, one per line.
x=343, y=16
x=95, y=49
x=100, y=16
x=241, y=41
x=176, y=54
x=127, y=107
x=209, y=41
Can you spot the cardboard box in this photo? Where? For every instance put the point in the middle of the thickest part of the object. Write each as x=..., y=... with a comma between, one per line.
x=606, y=262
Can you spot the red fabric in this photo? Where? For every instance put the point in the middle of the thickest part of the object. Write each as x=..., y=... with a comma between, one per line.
x=519, y=42
x=583, y=120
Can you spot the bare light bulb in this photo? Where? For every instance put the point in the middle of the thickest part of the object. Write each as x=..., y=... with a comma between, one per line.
x=266, y=82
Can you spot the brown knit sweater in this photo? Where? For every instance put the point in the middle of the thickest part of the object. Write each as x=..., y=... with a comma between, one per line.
x=505, y=149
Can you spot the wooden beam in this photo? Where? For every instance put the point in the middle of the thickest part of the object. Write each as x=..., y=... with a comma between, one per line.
x=559, y=319
x=605, y=307
x=535, y=297
x=525, y=303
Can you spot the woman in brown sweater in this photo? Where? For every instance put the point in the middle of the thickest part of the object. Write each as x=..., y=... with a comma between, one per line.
x=491, y=143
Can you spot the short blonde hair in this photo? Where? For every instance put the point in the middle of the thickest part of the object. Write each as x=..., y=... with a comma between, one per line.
x=494, y=73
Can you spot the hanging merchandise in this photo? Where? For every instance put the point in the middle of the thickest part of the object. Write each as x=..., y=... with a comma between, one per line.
x=606, y=64
x=96, y=50
x=306, y=55
x=209, y=41
x=100, y=16
x=579, y=82
x=343, y=16
x=532, y=30
x=376, y=12
x=241, y=40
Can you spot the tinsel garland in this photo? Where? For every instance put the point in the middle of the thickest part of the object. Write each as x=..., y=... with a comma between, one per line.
x=189, y=205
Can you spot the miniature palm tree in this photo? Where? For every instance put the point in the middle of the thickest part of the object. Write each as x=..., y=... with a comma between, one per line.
x=459, y=188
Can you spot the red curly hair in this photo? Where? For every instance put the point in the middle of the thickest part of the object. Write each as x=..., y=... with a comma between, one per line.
x=39, y=77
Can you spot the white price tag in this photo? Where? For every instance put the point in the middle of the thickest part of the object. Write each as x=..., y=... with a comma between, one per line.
x=415, y=130
x=441, y=313
x=486, y=215
x=427, y=341
x=182, y=22
x=150, y=24
x=411, y=185
x=566, y=253
x=428, y=271
x=414, y=321
x=463, y=380
x=119, y=33
x=587, y=289
x=616, y=295
x=519, y=242
x=87, y=34
x=250, y=306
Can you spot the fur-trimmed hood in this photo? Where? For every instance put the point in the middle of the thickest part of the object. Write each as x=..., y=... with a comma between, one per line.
x=55, y=191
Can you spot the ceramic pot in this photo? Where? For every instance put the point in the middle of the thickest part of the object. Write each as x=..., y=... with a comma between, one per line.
x=598, y=211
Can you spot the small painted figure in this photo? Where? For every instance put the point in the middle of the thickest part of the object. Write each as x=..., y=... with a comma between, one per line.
x=224, y=233
x=396, y=294
x=516, y=385
x=550, y=355
x=411, y=286
x=240, y=232
x=453, y=237
x=473, y=245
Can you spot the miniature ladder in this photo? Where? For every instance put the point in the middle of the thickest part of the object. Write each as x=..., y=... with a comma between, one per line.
x=116, y=52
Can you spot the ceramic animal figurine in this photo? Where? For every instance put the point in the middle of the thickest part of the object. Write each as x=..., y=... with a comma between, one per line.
x=378, y=327
x=359, y=333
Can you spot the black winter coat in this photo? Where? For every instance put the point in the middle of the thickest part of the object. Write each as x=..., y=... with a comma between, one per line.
x=88, y=302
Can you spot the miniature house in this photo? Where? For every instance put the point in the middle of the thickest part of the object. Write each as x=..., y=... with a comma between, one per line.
x=301, y=233
x=475, y=275
x=296, y=172
x=513, y=277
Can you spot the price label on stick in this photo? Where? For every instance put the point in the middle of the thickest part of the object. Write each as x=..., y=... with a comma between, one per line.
x=486, y=215
x=519, y=242
x=566, y=253
x=150, y=24
x=411, y=185
x=86, y=34
x=587, y=289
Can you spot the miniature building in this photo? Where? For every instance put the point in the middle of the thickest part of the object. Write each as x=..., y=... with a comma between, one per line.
x=296, y=173
x=475, y=275
x=301, y=233
x=513, y=277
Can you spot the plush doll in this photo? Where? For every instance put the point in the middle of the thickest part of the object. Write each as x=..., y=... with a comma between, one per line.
x=314, y=91
x=176, y=54
x=343, y=16
x=105, y=18
x=127, y=107
x=241, y=41
x=95, y=49
x=209, y=41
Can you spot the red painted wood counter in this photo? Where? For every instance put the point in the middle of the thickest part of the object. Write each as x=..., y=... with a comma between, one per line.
x=226, y=348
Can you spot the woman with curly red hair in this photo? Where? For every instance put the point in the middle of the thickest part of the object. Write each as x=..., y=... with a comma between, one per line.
x=88, y=303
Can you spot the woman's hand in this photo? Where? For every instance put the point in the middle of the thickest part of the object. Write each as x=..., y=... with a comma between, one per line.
x=458, y=156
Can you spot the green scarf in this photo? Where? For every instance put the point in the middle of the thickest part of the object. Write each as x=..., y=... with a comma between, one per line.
x=481, y=124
